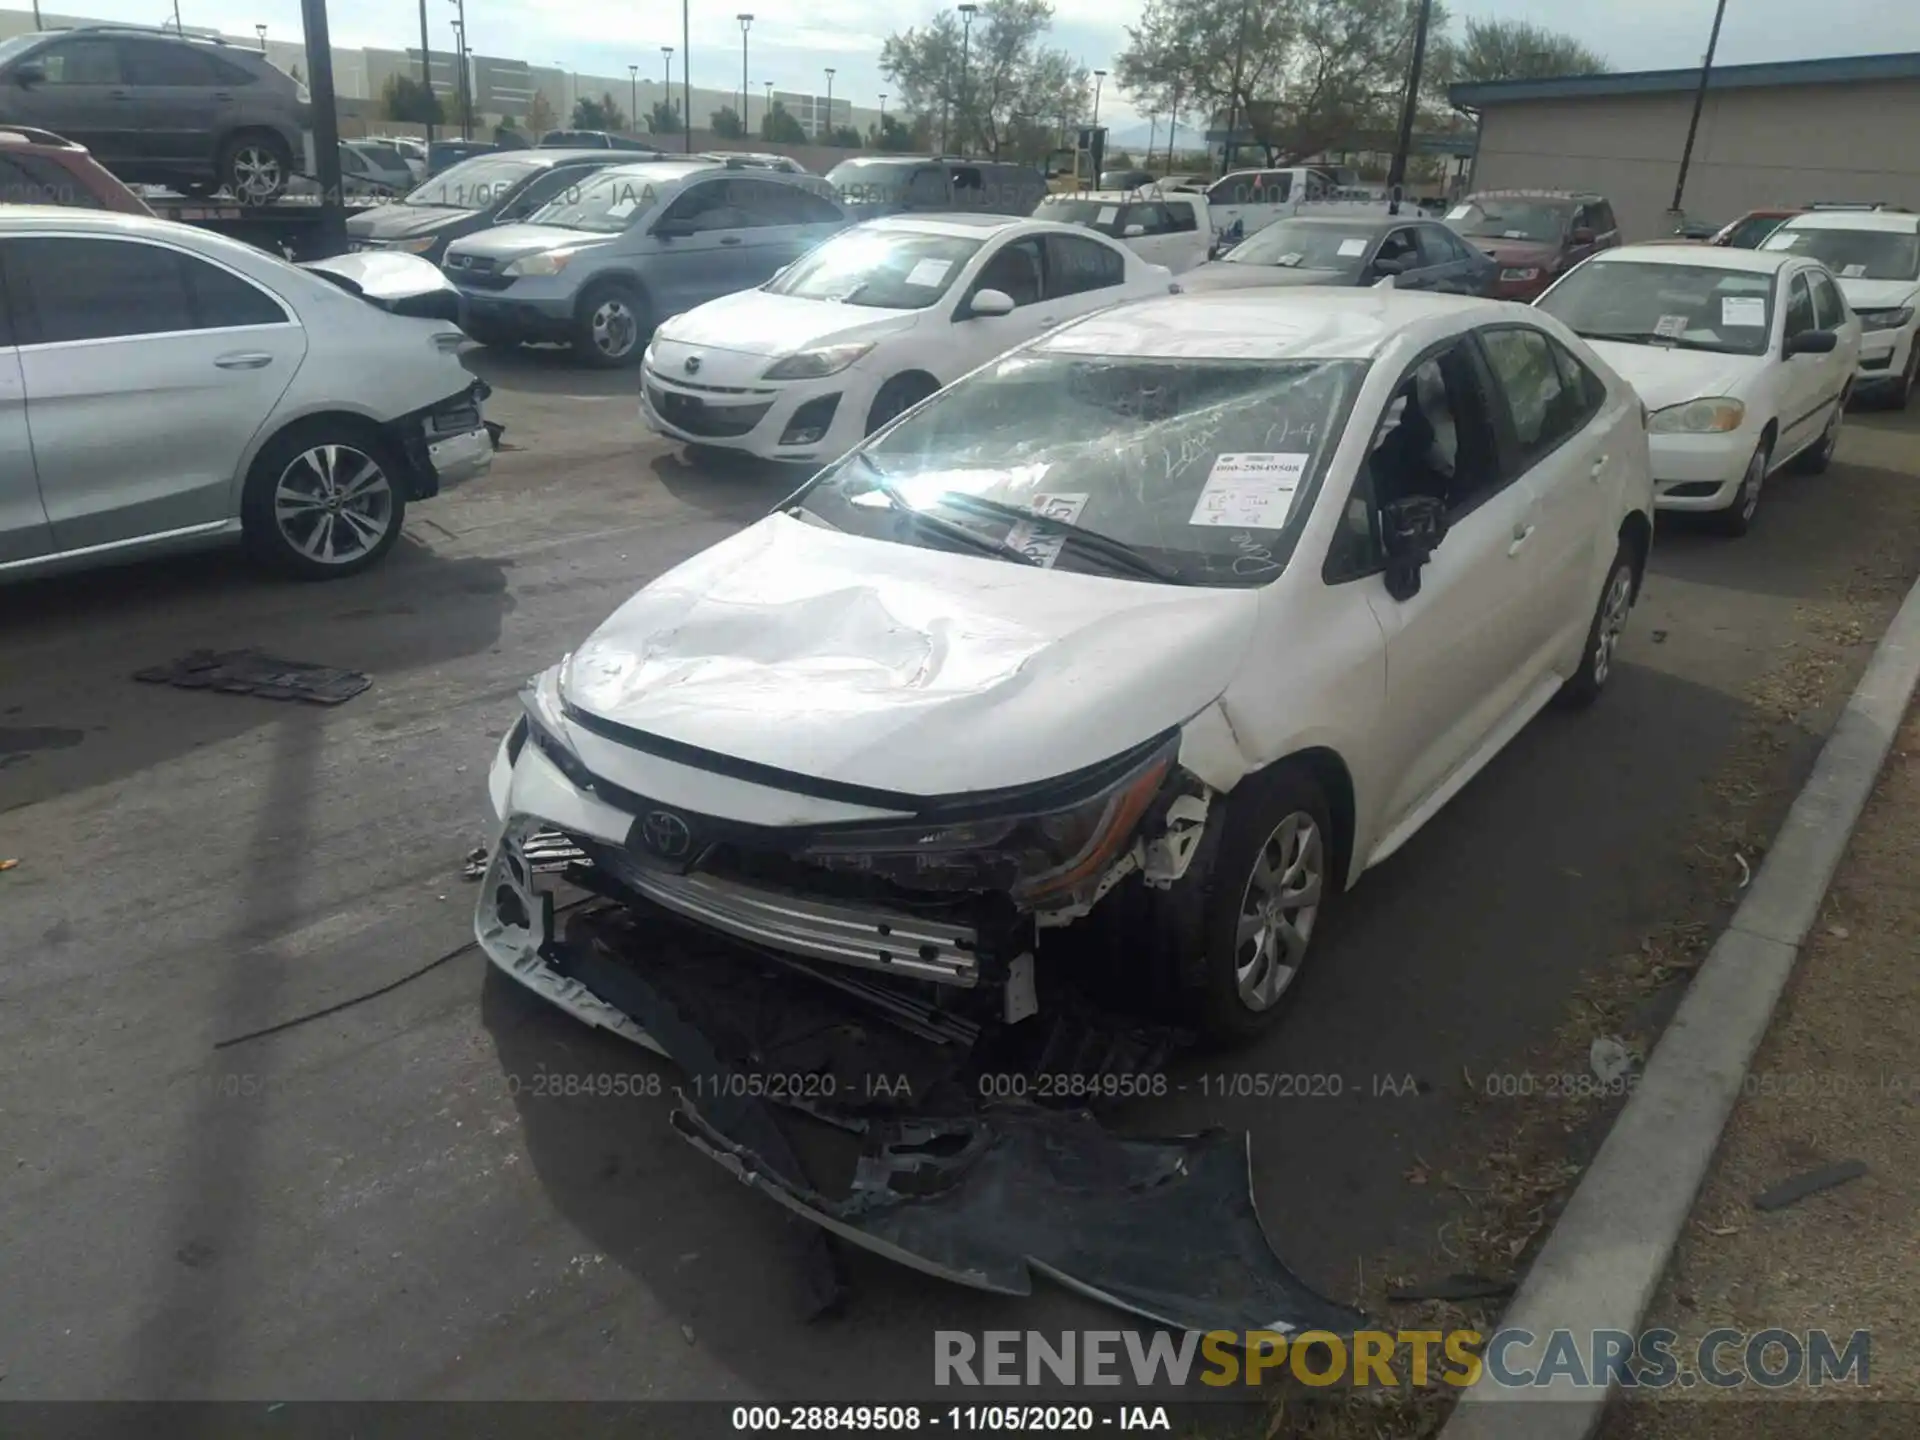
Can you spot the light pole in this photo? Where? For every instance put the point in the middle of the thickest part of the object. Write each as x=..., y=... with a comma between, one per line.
x=569, y=92
x=746, y=22
x=829, y=120
x=426, y=68
x=766, y=104
x=460, y=51
x=686, y=76
x=1409, y=107
x=633, y=98
x=259, y=28
x=967, y=13
x=1096, y=148
x=666, y=76
x=1699, y=102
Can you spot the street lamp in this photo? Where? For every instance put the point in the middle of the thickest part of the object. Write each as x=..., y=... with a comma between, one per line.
x=569, y=91
x=633, y=98
x=766, y=102
x=666, y=75
x=883, y=112
x=262, y=30
x=1099, y=76
x=686, y=76
x=746, y=22
x=829, y=121
x=967, y=13
x=460, y=55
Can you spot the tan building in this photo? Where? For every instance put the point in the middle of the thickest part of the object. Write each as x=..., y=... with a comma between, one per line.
x=1770, y=135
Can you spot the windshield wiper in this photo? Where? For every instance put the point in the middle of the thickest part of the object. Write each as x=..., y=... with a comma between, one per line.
x=1647, y=337
x=946, y=529
x=1116, y=552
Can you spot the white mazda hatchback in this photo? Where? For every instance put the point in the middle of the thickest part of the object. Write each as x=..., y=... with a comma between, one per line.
x=1163, y=628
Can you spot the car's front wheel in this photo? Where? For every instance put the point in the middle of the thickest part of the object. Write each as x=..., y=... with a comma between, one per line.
x=256, y=168
x=1266, y=884
x=610, y=326
x=324, y=500
x=896, y=397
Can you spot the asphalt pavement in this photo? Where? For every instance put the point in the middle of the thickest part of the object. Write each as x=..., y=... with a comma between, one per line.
x=402, y=1199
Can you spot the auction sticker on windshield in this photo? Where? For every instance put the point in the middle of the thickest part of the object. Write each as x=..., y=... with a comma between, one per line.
x=1459, y=212
x=1108, y=214
x=1250, y=490
x=929, y=272
x=1353, y=247
x=1670, y=327
x=1852, y=272
x=620, y=211
x=1044, y=549
x=1742, y=310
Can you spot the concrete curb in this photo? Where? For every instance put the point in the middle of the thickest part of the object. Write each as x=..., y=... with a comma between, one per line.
x=1604, y=1258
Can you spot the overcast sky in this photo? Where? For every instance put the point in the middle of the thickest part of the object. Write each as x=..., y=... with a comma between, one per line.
x=791, y=43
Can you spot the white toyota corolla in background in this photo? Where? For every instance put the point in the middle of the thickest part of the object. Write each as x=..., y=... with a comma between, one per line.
x=1743, y=357
x=1875, y=254
x=1176, y=620
x=870, y=323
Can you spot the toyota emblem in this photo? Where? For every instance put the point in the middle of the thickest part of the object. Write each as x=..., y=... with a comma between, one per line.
x=693, y=364
x=666, y=835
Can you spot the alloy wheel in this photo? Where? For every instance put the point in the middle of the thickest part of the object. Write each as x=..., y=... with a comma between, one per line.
x=256, y=173
x=1277, y=910
x=333, y=503
x=614, y=327
x=1614, y=609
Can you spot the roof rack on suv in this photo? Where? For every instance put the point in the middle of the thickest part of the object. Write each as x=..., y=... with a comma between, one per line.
x=1858, y=205
x=28, y=135
x=167, y=30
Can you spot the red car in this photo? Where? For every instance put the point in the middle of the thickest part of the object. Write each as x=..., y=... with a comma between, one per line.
x=37, y=167
x=1535, y=235
x=1750, y=229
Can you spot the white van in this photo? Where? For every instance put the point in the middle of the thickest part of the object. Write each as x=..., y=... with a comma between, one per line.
x=1244, y=201
x=1170, y=228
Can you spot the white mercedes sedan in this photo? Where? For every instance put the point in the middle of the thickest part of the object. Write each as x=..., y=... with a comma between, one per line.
x=1745, y=359
x=1160, y=631
x=870, y=323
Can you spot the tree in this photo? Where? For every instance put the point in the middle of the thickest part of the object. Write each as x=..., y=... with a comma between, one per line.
x=405, y=98
x=1300, y=75
x=890, y=135
x=663, y=119
x=601, y=114
x=780, y=127
x=844, y=137
x=1009, y=71
x=1515, y=50
x=540, y=116
x=725, y=123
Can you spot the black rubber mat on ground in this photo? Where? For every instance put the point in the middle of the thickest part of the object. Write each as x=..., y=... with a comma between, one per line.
x=250, y=672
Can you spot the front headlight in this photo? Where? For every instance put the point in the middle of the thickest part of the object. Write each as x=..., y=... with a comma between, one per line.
x=546, y=262
x=547, y=727
x=1885, y=319
x=413, y=247
x=813, y=364
x=1531, y=272
x=1039, y=858
x=1715, y=415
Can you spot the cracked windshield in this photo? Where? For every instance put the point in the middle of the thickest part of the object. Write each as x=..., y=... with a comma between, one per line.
x=959, y=719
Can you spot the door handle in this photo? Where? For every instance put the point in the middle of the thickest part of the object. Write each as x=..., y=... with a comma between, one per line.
x=118, y=95
x=1048, y=320
x=729, y=239
x=1599, y=464
x=223, y=94
x=1521, y=534
x=251, y=360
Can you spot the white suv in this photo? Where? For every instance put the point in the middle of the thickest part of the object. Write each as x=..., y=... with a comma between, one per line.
x=1874, y=253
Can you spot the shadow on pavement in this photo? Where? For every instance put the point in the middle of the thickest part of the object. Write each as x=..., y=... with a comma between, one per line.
x=70, y=645
x=722, y=483
x=1460, y=954
x=546, y=370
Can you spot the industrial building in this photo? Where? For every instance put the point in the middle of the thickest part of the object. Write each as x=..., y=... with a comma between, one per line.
x=1782, y=134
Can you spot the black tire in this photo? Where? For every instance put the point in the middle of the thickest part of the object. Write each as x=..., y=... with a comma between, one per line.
x=1610, y=613
x=896, y=397
x=610, y=325
x=1815, y=459
x=1273, y=822
x=256, y=166
x=1903, y=393
x=1737, y=519
x=288, y=535
x=200, y=189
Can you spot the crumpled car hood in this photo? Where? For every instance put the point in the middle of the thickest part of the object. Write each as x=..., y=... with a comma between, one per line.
x=919, y=671
x=1664, y=377
x=1240, y=275
x=401, y=222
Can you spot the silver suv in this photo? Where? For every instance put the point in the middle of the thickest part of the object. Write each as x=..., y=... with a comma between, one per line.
x=160, y=108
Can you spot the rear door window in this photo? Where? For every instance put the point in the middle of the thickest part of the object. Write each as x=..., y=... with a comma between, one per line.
x=927, y=187
x=1076, y=265
x=157, y=62
x=83, y=289
x=1544, y=408
x=1180, y=218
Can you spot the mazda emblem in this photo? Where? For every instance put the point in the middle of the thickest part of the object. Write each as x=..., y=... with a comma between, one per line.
x=667, y=835
x=693, y=364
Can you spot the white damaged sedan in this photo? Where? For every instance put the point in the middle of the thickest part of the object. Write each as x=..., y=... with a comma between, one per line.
x=1158, y=632
x=871, y=322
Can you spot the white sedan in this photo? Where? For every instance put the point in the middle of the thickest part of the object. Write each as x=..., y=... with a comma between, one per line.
x=1875, y=253
x=1170, y=624
x=870, y=323
x=1744, y=358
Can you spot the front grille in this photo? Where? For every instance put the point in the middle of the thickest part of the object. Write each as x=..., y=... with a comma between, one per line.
x=652, y=374
x=695, y=416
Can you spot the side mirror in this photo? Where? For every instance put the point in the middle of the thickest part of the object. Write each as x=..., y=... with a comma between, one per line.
x=1133, y=230
x=1411, y=530
x=1582, y=236
x=1812, y=342
x=28, y=75
x=991, y=302
x=671, y=229
x=781, y=271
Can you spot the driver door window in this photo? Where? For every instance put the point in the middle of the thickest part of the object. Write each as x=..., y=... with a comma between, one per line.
x=1800, y=317
x=927, y=189
x=704, y=207
x=1543, y=408
x=1077, y=266
x=1399, y=248
x=1016, y=271
x=1828, y=312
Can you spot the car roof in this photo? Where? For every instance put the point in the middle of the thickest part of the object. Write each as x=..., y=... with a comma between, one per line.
x=968, y=226
x=1895, y=222
x=1582, y=196
x=1282, y=323
x=1711, y=257
x=15, y=219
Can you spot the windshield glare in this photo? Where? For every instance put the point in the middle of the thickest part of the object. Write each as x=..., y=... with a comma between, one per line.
x=472, y=184
x=1855, y=254
x=873, y=268
x=1304, y=245
x=1543, y=221
x=1691, y=307
x=607, y=204
x=1198, y=464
